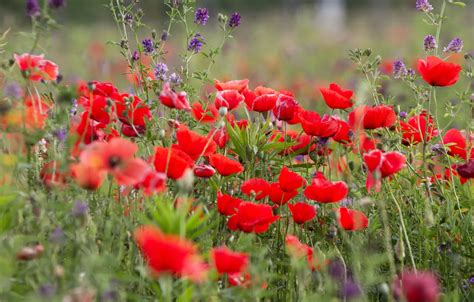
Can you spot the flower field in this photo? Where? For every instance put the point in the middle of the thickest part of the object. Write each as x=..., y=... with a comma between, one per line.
x=195, y=160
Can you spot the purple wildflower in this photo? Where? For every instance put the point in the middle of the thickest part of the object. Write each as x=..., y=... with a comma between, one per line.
x=196, y=43
x=148, y=46
x=164, y=35
x=56, y=3
x=57, y=236
x=438, y=149
x=175, y=78
x=135, y=56
x=423, y=5
x=47, y=291
x=80, y=209
x=411, y=72
x=32, y=8
x=399, y=69
x=12, y=90
x=471, y=279
x=234, y=20
x=336, y=269
x=128, y=18
x=350, y=290
x=160, y=71
x=61, y=134
x=201, y=16
x=403, y=114
x=429, y=42
x=455, y=45
x=73, y=110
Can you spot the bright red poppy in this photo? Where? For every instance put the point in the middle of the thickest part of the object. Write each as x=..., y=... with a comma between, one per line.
x=372, y=117
x=337, y=98
x=351, y=220
x=227, y=205
x=174, y=100
x=252, y=218
x=131, y=110
x=285, y=107
x=302, y=212
x=208, y=115
x=224, y=165
x=239, y=85
x=290, y=181
x=256, y=186
x=194, y=144
x=344, y=133
x=154, y=182
x=278, y=196
x=437, y=72
x=419, y=128
x=456, y=143
x=219, y=136
x=170, y=254
x=326, y=191
x=172, y=161
x=314, y=125
x=230, y=99
x=381, y=165
x=229, y=262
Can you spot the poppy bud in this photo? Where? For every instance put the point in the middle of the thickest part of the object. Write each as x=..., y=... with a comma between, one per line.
x=26, y=253
x=174, y=124
x=285, y=107
x=223, y=111
x=204, y=171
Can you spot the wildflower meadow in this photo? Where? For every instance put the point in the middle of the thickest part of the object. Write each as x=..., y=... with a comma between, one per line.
x=192, y=172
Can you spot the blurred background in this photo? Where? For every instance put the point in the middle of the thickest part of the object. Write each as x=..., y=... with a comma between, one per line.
x=297, y=45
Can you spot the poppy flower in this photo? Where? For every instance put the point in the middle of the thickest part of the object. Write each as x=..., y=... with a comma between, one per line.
x=298, y=249
x=170, y=254
x=351, y=220
x=228, y=98
x=117, y=158
x=132, y=131
x=238, y=85
x=194, y=144
x=104, y=89
x=466, y=170
x=227, y=205
x=228, y=262
x=131, y=110
x=290, y=181
x=219, y=136
x=437, y=72
x=285, y=107
x=36, y=68
x=337, y=98
x=314, y=125
x=225, y=166
x=381, y=165
x=278, y=196
x=258, y=186
x=326, y=191
x=416, y=287
x=204, y=171
x=252, y=218
x=98, y=108
x=172, y=161
x=456, y=144
x=302, y=212
x=174, y=100
x=262, y=100
x=419, y=128
x=372, y=117
x=87, y=176
x=344, y=133
x=448, y=175
x=209, y=115
x=154, y=182
x=366, y=144
x=52, y=174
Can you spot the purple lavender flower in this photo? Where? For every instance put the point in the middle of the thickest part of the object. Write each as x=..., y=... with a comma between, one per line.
x=175, y=78
x=61, y=134
x=33, y=8
x=201, y=16
x=438, y=149
x=160, y=71
x=164, y=35
x=196, y=43
x=336, y=269
x=148, y=46
x=47, y=291
x=411, y=72
x=403, y=114
x=56, y=3
x=455, y=45
x=80, y=209
x=350, y=290
x=128, y=18
x=471, y=280
x=399, y=69
x=135, y=56
x=57, y=236
x=234, y=20
x=423, y=5
x=12, y=90
x=429, y=42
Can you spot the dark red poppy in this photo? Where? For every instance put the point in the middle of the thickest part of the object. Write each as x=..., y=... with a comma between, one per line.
x=372, y=117
x=419, y=128
x=417, y=287
x=314, y=125
x=225, y=166
x=228, y=262
x=252, y=218
x=437, y=72
x=194, y=144
x=174, y=100
x=228, y=98
x=456, y=144
x=278, y=196
x=466, y=170
x=208, y=115
x=227, y=205
x=290, y=181
x=239, y=85
x=285, y=107
x=172, y=161
x=256, y=186
x=336, y=98
x=132, y=131
x=351, y=220
x=302, y=212
x=204, y=171
x=325, y=191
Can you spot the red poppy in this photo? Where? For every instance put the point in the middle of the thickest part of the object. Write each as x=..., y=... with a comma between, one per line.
x=252, y=218
x=103, y=88
x=381, y=165
x=456, y=144
x=437, y=72
x=285, y=107
x=344, y=133
x=366, y=144
x=225, y=166
x=466, y=170
x=36, y=68
x=209, y=115
x=98, y=108
x=228, y=262
x=170, y=254
x=172, y=161
x=352, y=220
x=219, y=136
x=52, y=174
x=314, y=125
x=194, y=144
x=290, y=181
x=256, y=186
x=132, y=131
x=302, y=212
x=227, y=205
x=171, y=99
x=417, y=287
x=154, y=182
x=300, y=141
x=131, y=110
x=87, y=176
x=204, y=171
x=326, y=191
x=278, y=196
x=372, y=117
x=448, y=175
x=336, y=98
x=298, y=249
x=419, y=128
x=239, y=85
x=228, y=98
